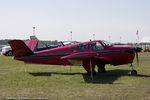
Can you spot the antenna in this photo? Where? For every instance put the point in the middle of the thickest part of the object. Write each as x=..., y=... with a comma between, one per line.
x=109, y=37
x=137, y=33
x=33, y=30
x=93, y=36
x=120, y=39
x=71, y=35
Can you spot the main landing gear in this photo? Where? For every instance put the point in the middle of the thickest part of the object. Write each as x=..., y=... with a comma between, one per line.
x=101, y=67
x=133, y=72
x=93, y=73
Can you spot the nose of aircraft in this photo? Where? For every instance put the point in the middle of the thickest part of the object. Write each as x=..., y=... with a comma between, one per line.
x=137, y=49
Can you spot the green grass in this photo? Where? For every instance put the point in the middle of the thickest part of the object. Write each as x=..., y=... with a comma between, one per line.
x=59, y=83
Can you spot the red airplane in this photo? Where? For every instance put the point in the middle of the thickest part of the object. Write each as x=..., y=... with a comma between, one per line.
x=86, y=54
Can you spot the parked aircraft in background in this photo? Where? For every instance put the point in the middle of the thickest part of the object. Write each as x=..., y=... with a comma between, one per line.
x=86, y=54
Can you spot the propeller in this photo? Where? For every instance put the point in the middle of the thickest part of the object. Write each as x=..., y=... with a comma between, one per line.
x=137, y=58
x=137, y=49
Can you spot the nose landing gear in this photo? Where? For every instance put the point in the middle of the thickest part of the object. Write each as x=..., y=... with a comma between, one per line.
x=133, y=72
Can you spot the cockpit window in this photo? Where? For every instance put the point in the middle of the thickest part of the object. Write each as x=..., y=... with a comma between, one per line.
x=106, y=43
x=41, y=46
x=83, y=47
x=74, y=47
x=96, y=46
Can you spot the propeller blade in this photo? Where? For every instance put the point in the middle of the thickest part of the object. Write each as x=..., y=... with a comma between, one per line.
x=137, y=58
x=137, y=49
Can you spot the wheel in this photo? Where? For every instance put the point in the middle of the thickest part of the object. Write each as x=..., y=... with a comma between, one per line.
x=134, y=73
x=101, y=67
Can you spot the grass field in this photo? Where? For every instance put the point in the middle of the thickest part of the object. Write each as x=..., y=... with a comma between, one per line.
x=59, y=83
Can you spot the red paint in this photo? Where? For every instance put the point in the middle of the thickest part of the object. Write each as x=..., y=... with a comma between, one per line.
x=31, y=44
x=61, y=55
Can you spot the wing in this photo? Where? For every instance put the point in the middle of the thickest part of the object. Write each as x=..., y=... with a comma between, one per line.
x=80, y=56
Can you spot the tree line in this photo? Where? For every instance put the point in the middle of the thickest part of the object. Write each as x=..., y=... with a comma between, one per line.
x=5, y=42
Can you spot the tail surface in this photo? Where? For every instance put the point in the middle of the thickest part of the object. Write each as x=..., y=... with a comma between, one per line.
x=32, y=44
x=19, y=48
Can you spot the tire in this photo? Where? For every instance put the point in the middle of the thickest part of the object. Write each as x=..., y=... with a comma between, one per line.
x=101, y=67
x=134, y=73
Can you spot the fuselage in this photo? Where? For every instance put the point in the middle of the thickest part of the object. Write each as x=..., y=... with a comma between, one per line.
x=105, y=53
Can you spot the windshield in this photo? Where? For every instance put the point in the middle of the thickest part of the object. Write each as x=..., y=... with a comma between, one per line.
x=95, y=46
x=106, y=43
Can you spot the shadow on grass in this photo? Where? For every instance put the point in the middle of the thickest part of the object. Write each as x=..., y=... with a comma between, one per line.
x=106, y=78
x=100, y=78
x=41, y=74
x=49, y=73
x=139, y=75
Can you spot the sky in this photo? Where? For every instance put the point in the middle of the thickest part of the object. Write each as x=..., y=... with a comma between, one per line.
x=111, y=20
